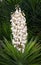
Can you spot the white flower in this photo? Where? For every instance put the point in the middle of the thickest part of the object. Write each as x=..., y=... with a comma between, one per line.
x=19, y=30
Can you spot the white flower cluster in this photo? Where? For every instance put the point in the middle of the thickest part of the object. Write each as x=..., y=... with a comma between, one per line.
x=19, y=30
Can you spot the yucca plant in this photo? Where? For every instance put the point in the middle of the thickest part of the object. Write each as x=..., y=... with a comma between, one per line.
x=32, y=10
x=11, y=56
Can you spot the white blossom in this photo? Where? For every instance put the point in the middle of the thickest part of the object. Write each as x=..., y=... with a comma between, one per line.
x=19, y=30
